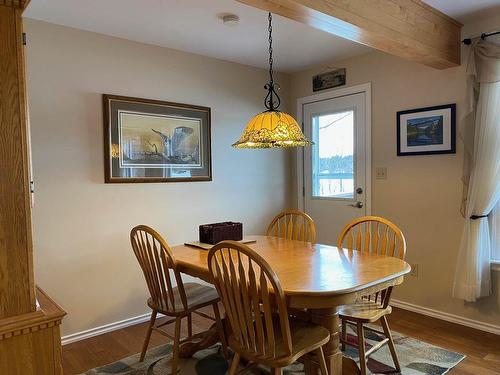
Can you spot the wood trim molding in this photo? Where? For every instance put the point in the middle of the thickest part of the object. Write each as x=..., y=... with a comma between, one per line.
x=409, y=29
x=48, y=315
x=30, y=344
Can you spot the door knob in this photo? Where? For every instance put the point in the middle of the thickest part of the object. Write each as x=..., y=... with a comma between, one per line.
x=357, y=204
x=359, y=190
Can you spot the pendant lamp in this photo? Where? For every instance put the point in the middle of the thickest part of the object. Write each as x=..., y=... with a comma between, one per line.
x=272, y=128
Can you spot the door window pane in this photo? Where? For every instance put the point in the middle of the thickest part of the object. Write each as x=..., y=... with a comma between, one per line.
x=333, y=167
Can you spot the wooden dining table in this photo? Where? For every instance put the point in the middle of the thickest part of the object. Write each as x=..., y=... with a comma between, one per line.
x=315, y=277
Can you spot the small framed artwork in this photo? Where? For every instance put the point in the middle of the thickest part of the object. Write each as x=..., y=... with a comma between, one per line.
x=329, y=80
x=155, y=141
x=426, y=131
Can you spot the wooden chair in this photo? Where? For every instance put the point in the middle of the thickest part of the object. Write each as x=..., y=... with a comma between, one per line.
x=375, y=235
x=255, y=306
x=293, y=225
x=180, y=301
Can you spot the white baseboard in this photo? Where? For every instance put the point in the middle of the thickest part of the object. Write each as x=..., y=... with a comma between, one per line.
x=104, y=329
x=487, y=327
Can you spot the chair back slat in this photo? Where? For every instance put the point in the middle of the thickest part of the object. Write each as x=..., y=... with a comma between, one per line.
x=247, y=303
x=268, y=318
x=374, y=235
x=250, y=292
x=158, y=266
x=293, y=225
x=238, y=303
x=254, y=305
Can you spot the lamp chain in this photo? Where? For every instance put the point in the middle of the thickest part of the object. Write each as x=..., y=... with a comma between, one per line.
x=272, y=100
x=270, y=29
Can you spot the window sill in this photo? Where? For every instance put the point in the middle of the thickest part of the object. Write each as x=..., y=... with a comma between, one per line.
x=495, y=265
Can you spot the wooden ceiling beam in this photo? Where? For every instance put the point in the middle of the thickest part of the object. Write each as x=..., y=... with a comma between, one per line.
x=409, y=29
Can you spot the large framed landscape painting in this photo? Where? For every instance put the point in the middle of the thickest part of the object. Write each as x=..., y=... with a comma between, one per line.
x=426, y=131
x=155, y=141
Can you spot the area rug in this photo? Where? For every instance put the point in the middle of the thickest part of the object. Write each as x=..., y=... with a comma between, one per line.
x=416, y=358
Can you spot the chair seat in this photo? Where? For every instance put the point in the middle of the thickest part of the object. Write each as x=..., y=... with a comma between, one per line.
x=305, y=338
x=197, y=296
x=364, y=311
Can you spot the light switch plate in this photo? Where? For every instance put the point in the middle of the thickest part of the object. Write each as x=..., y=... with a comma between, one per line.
x=381, y=173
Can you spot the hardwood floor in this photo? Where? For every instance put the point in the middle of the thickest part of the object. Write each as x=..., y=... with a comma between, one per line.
x=482, y=349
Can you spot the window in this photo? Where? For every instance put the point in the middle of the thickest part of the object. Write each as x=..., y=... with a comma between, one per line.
x=333, y=165
x=494, y=218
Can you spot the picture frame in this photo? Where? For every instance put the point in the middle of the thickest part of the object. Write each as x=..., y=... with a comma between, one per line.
x=329, y=80
x=149, y=140
x=426, y=131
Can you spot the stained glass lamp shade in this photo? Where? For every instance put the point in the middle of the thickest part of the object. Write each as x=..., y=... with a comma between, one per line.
x=272, y=129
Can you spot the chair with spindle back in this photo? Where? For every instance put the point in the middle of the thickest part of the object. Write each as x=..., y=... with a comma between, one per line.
x=374, y=235
x=256, y=310
x=293, y=225
x=180, y=301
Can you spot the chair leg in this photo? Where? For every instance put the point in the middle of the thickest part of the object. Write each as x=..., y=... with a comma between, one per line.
x=220, y=328
x=344, y=334
x=392, y=348
x=190, y=324
x=148, y=334
x=277, y=371
x=321, y=360
x=361, y=348
x=175, y=352
x=234, y=364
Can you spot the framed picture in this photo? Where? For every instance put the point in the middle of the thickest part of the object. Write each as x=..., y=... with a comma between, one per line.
x=427, y=131
x=328, y=80
x=155, y=141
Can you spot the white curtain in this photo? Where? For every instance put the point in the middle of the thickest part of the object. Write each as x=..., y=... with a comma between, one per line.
x=473, y=271
x=495, y=232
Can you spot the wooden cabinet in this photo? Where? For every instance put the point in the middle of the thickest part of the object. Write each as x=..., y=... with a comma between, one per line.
x=17, y=287
x=30, y=341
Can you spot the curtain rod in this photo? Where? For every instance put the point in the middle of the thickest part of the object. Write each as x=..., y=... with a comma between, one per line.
x=468, y=41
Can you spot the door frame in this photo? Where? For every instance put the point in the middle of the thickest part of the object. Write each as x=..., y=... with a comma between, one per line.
x=365, y=88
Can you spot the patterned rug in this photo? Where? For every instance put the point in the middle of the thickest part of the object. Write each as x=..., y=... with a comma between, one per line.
x=416, y=358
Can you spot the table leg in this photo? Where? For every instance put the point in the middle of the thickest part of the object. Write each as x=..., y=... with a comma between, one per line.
x=329, y=318
x=336, y=363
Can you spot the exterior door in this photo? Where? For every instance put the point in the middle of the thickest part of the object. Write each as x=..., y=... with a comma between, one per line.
x=335, y=167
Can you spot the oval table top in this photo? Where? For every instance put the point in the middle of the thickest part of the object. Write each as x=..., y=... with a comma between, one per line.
x=306, y=269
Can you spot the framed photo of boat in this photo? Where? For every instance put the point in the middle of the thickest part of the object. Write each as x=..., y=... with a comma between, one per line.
x=155, y=141
x=426, y=131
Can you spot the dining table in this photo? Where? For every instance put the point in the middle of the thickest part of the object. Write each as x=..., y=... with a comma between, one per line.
x=315, y=277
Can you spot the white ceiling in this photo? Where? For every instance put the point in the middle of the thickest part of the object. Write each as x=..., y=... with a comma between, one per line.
x=195, y=26
x=464, y=10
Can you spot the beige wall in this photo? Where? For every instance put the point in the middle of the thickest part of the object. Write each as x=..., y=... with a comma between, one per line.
x=81, y=225
x=82, y=255
x=422, y=194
